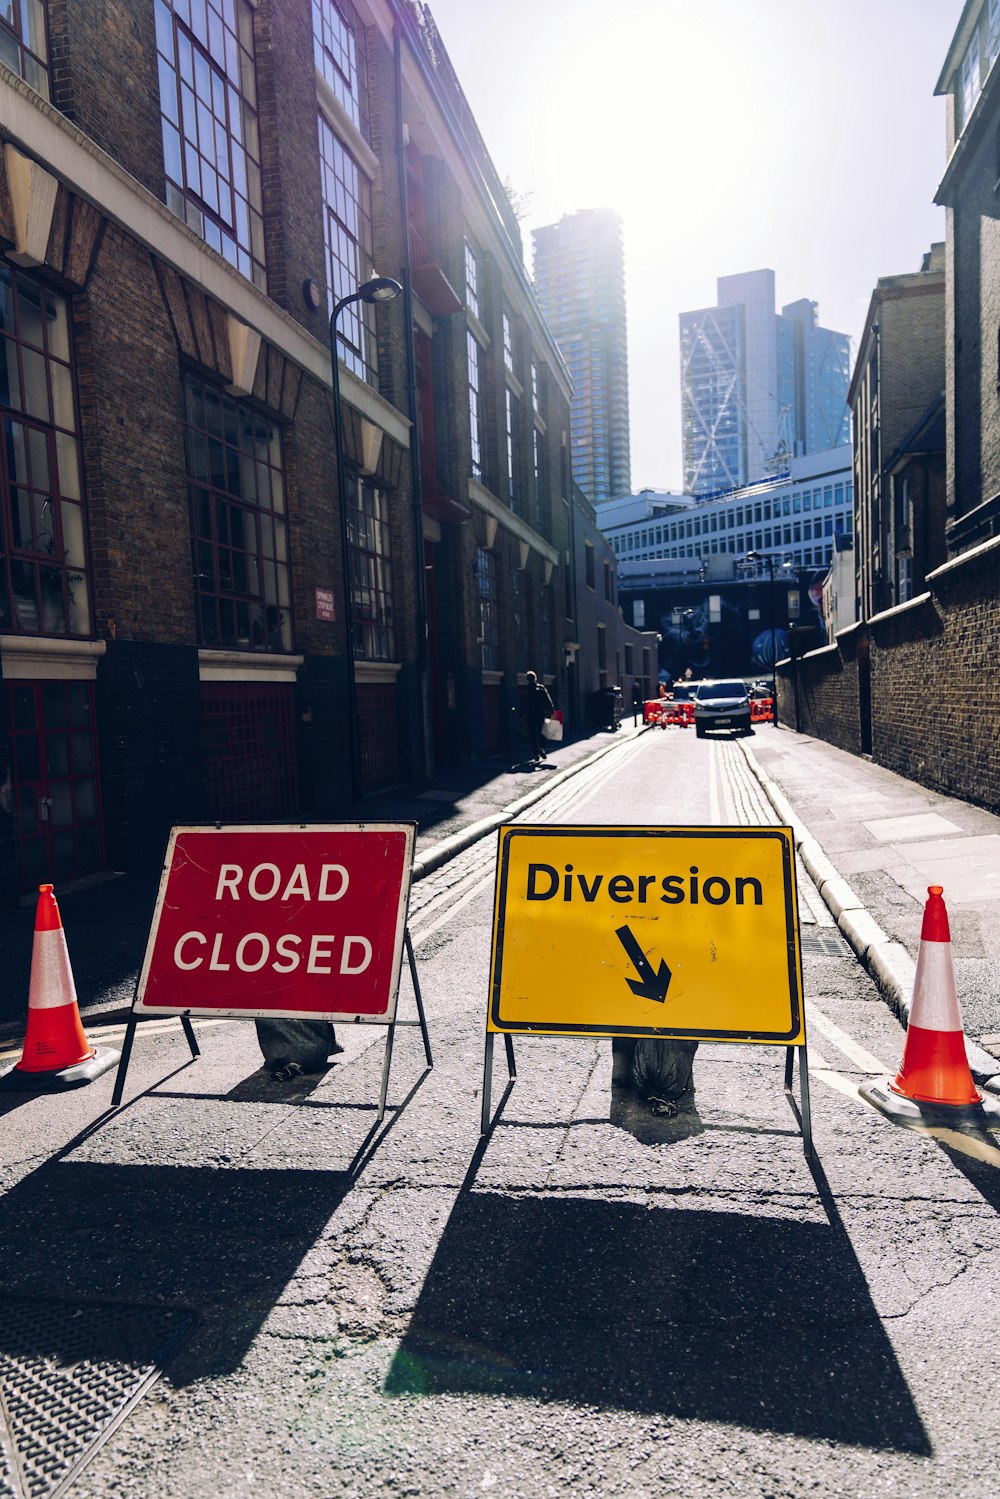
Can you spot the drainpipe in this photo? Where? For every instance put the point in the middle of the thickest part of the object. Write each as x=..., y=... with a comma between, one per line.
x=411, y=401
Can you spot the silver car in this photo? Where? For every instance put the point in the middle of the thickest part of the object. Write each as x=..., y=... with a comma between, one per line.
x=722, y=705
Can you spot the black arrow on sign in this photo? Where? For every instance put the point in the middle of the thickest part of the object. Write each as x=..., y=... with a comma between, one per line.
x=650, y=985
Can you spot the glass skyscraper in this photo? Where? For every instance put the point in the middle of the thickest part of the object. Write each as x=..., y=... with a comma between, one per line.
x=580, y=282
x=758, y=388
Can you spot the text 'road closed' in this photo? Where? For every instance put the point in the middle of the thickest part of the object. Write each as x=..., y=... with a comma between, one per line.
x=280, y=921
x=631, y=931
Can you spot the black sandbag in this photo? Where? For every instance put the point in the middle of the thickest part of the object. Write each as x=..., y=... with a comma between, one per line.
x=306, y=1042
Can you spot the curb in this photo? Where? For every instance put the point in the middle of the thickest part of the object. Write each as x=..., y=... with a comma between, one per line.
x=458, y=842
x=885, y=960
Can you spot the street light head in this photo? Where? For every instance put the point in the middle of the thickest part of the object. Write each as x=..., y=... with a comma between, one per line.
x=753, y=556
x=379, y=289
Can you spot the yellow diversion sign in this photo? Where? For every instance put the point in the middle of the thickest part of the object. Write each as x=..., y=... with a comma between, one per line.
x=683, y=931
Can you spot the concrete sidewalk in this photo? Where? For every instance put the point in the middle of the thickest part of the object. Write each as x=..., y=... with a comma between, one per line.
x=873, y=842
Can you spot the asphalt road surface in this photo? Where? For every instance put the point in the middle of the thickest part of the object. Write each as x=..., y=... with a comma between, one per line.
x=590, y=1301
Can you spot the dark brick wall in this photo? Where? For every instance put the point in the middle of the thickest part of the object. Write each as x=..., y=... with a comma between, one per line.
x=104, y=79
x=149, y=741
x=935, y=689
x=130, y=405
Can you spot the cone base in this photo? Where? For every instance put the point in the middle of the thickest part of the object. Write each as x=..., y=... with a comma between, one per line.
x=912, y=1114
x=58, y=1081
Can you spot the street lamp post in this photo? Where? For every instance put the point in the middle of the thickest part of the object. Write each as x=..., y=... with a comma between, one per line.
x=766, y=557
x=378, y=289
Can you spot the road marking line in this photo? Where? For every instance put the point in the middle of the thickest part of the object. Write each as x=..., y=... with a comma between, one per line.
x=862, y=1059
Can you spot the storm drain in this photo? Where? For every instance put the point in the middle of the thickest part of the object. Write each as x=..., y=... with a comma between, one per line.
x=69, y=1374
x=827, y=943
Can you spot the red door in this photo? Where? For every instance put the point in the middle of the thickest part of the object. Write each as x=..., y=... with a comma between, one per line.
x=57, y=797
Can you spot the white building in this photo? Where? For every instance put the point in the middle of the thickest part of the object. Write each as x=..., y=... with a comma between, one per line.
x=796, y=516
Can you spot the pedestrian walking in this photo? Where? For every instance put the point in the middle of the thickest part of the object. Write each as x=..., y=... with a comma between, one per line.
x=536, y=707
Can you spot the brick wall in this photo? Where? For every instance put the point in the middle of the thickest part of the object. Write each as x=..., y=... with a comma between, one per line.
x=935, y=689
x=117, y=105
x=149, y=743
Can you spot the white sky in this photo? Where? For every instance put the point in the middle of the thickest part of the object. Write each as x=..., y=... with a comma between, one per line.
x=803, y=135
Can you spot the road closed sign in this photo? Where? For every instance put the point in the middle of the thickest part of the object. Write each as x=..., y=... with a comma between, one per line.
x=280, y=921
x=685, y=931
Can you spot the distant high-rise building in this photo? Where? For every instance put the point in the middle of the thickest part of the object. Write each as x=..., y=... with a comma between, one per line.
x=758, y=387
x=580, y=281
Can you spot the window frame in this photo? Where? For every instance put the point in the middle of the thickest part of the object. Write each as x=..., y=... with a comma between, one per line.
x=215, y=556
x=370, y=554
x=238, y=238
x=36, y=71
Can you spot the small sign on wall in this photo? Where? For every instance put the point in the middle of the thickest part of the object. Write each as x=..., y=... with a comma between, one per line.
x=324, y=604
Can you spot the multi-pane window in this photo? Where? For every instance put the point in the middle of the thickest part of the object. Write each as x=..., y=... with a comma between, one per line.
x=475, y=425
x=509, y=397
x=43, y=578
x=534, y=387
x=347, y=230
x=971, y=81
x=238, y=528
x=370, y=545
x=471, y=280
x=489, y=626
x=208, y=104
x=508, y=342
x=536, y=476
x=335, y=52
x=23, y=44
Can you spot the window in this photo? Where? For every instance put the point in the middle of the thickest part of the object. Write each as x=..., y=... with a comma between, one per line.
x=534, y=387
x=347, y=232
x=335, y=52
x=238, y=527
x=608, y=583
x=971, y=82
x=43, y=570
x=369, y=541
x=208, y=104
x=489, y=632
x=475, y=428
x=588, y=552
x=509, y=398
x=508, y=342
x=23, y=44
x=471, y=280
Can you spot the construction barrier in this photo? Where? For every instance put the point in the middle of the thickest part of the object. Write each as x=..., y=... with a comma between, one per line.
x=762, y=710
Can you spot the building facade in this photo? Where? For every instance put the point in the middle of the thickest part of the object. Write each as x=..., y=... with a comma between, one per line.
x=970, y=84
x=797, y=514
x=579, y=267
x=897, y=410
x=198, y=620
x=757, y=388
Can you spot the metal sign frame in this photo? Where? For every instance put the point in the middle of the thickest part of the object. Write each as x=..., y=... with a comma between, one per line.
x=401, y=943
x=793, y=1039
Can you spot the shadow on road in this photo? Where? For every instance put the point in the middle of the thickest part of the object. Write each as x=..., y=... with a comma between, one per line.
x=761, y=1322
x=222, y=1242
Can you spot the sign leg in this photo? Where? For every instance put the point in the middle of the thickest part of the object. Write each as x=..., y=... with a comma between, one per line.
x=420, y=1004
x=390, y=1034
x=806, y=1114
x=487, y=1082
x=192, y=1039
x=116, y=1096
x=789, y=1064
x=508, y=1042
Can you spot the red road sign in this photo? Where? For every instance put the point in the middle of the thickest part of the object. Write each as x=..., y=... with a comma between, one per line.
x=280, y=921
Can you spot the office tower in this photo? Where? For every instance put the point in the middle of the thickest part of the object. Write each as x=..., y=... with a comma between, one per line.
x=757, y=387
x=580, y=281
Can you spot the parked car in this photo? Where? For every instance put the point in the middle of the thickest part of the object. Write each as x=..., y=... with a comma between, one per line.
x=722, y=705
x=761, y=688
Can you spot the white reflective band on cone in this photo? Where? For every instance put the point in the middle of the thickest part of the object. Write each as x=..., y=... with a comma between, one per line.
x=51, y=983
x=935, y=998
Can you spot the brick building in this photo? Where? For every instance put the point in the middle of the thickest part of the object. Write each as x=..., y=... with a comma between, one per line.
x=897, y=411
x=188, y=190
x=970, y=83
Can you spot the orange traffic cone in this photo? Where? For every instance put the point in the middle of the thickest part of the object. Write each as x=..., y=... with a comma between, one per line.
x=935, y=1068
x=56, y=1051
x=934, y=1079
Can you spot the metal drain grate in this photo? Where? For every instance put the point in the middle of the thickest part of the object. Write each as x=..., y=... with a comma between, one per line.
x=827, y=943
x=69, y=1374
